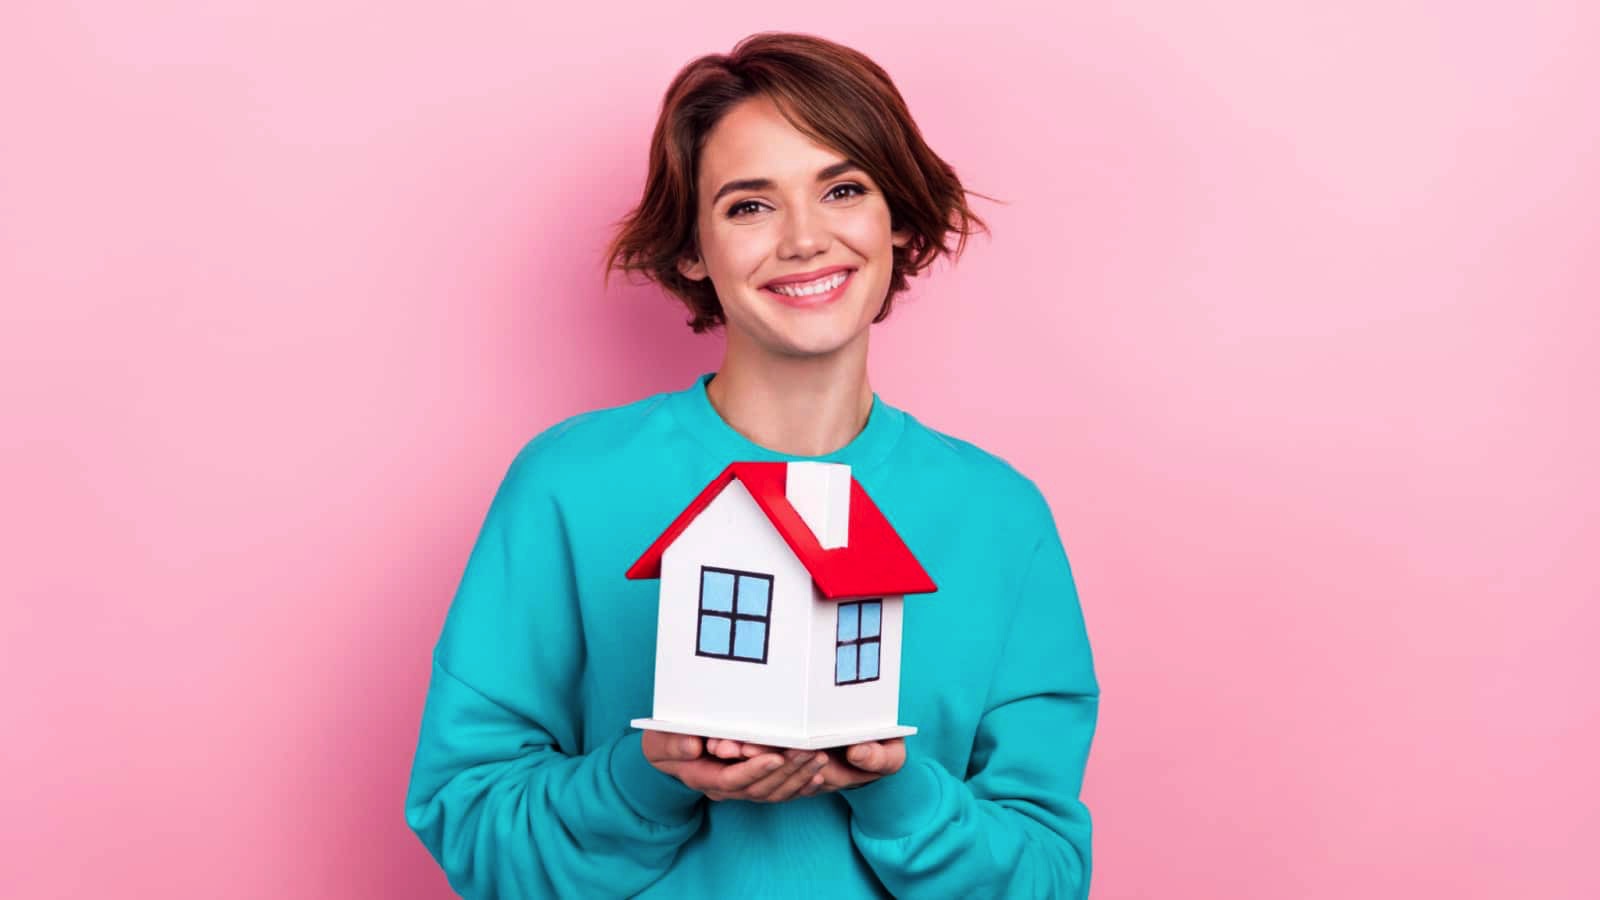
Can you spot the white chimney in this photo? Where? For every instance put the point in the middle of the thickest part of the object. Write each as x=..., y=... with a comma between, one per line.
x=820, y=493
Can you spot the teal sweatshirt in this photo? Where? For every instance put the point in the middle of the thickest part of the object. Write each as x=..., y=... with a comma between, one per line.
x=529, y=782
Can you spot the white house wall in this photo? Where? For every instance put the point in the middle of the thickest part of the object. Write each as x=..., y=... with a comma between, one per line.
x=833, y=708
x=733, y=533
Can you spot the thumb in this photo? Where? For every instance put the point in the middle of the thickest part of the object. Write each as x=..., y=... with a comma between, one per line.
x=864, y=756
x=686, y=747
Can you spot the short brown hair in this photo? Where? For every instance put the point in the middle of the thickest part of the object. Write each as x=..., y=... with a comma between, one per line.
x=832, y=94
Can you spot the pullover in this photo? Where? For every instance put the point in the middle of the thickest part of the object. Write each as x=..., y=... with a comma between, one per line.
x=528, y=781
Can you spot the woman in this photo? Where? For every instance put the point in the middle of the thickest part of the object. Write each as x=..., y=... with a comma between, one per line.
x=789, y=197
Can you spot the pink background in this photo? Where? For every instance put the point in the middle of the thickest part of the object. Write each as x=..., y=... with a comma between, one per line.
x=1291, y=312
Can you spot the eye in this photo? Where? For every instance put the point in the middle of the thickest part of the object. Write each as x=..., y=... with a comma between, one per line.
x=747, y=207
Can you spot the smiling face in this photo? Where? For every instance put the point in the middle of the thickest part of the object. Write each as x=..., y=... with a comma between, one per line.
x=773, y=204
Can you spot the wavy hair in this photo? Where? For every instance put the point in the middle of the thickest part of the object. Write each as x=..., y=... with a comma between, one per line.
x=832, y=94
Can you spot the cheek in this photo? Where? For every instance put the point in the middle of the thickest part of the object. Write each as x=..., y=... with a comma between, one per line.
x=739, y=251
x=869, y=235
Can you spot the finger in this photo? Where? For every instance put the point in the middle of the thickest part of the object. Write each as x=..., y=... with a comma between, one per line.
x=797, y=786
x=781, y=784
x=816, y=785
x=665, y=746
x=682, y=746
x=732, y=748
x=802, y=776
x=837, y=775
x=865, y=756
x=707, y=775
x=727, y=748
x=769, y=782
x=734, y=778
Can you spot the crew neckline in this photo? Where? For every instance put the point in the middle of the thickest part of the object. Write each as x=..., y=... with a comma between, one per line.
x=870, y=446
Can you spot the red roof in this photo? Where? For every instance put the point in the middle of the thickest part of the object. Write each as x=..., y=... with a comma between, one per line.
x=875, y=563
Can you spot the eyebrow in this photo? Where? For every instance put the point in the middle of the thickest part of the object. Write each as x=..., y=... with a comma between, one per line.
x=762, y=184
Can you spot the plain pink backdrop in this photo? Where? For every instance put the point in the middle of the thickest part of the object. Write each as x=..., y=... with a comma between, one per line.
x=1291, y=312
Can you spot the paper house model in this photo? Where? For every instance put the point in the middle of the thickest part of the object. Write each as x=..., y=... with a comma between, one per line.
x=780, y=610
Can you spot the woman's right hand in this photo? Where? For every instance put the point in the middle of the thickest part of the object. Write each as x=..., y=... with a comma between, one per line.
x=769, y=777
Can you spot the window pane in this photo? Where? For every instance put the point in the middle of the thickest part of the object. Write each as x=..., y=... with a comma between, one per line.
x=871, y=612
x=869, y=659
x=753, y=595
x=848, y=613
x=714, y=632
x=749, y=639
x=716, y=591
x=845, y=666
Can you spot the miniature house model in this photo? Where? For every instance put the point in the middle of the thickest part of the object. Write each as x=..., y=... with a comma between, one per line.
x=780, y=610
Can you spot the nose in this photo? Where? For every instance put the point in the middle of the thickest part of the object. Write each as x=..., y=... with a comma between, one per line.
x=804, y=234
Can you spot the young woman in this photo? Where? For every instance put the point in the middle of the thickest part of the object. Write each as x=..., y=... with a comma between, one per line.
x=789, y=198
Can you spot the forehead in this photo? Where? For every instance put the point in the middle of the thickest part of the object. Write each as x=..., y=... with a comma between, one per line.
x=754, y=140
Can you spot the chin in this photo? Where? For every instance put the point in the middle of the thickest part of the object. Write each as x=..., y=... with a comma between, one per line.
x=801, y=343
x=807, y=333
x=815, y=338
x=812, y=350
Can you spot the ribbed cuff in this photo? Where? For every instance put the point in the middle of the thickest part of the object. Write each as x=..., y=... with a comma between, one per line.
x=896, y=805
x=652, y=793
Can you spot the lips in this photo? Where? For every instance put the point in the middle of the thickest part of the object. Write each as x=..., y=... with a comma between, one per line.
x=804, y=277
x=813, y=300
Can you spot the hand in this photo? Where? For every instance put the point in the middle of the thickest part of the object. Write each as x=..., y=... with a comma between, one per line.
x=769, y=776
x=847, y=767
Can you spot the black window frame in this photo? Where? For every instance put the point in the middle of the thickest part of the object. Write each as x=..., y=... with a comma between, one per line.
x=858, y=641
x=733, y=613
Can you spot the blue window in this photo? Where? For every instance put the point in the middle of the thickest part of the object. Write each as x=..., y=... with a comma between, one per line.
x=735, y=614
x=860, y=637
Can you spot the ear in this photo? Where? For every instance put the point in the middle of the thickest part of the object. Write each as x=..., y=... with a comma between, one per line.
x=692, y=268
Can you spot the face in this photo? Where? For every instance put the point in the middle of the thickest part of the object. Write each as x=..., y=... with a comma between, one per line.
x=794, y=208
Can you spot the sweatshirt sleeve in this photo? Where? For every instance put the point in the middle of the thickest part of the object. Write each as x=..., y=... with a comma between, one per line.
x=1015, y=826
x=502, y=794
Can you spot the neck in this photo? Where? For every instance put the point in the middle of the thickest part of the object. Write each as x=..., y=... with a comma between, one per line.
x=799, y=405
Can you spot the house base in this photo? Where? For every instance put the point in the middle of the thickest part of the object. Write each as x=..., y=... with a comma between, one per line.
x=795, y=741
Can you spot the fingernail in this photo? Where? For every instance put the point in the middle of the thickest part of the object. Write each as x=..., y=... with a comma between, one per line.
x=771, y=764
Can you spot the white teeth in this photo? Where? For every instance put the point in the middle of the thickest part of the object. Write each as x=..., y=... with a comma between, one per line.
x=820, y=286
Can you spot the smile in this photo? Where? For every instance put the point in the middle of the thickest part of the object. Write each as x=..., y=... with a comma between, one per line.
x=812, y=293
